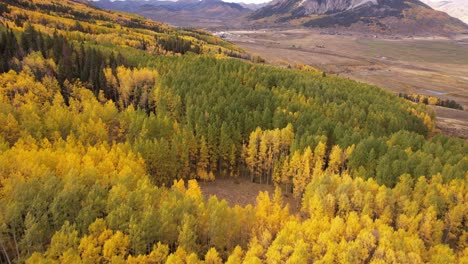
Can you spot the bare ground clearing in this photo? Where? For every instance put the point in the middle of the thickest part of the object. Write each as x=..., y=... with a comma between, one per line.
x=240, y=192
x=430, y=66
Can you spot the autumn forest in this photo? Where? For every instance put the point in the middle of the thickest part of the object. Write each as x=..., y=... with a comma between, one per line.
x=108, y=121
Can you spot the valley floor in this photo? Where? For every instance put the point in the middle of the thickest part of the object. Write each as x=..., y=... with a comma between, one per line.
x=432, y=66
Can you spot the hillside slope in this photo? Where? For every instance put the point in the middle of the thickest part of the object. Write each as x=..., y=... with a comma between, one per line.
x=184, y=13
x=455, y=8
x=86, y=24
x=382, y=16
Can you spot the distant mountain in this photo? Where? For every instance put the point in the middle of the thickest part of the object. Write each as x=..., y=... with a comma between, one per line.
x=184, y=13
x=253, y=6
x=383, y=16
x=455, y=8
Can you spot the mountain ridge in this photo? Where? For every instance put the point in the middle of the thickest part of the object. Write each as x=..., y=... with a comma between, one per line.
x=204, y=13
x=383, y=16
x=455, y=8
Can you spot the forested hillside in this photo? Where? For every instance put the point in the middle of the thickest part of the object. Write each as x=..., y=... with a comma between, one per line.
x=105, y=128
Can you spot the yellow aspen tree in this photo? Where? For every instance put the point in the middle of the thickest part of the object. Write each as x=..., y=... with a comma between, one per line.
x=91, y=245
x=211, y=176
x=111, y=81
x=203, y=160
x=263, y=157
x=454, y=224
x=159, y=253
x=276, y=177
x=126, y=84
x=296, y=170
x=140, y=259
x=212, y=257
x=117, y=246
x=347, y=154
x=252, y=159
x=236, y=256
x=194, y=191
x=188, y=234
x=233, y=162
x=431, y=229
x=177, y=257
x=463, y=256
x=63, y=240
x=335, y=159
x=319, y=156
x=353, y=226
x=268, y=162
x=441, y=254
x=253, y=255
x=301, y=253
x=179, y=185
x=287, y=138
x=330, y=203
x=10, y=128
x=193, y=259
x=286, y=177
x=276, y=144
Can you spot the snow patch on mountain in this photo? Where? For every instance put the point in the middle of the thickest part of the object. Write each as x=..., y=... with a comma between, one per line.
x=455, y=8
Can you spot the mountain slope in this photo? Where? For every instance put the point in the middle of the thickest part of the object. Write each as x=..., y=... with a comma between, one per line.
x=389, y=16
x=455, y=8
x=119, y=31
x=184, y=13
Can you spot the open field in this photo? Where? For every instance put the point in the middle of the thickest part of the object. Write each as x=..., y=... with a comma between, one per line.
x=430, y=66
x=241, y=191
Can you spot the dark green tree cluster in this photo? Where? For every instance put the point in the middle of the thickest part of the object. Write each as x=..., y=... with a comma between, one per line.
x=73, y=61
x=430, y=100
x=178, y=45
x=385, y=159
x=8, y=49
x=3, y=8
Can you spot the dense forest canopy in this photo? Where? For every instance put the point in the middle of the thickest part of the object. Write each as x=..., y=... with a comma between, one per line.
x=108, y=119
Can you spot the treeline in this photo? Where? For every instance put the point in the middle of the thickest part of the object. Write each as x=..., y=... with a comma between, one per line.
x=178, y=45
x=56, y=57
x=64, y=10
x=430, y=100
